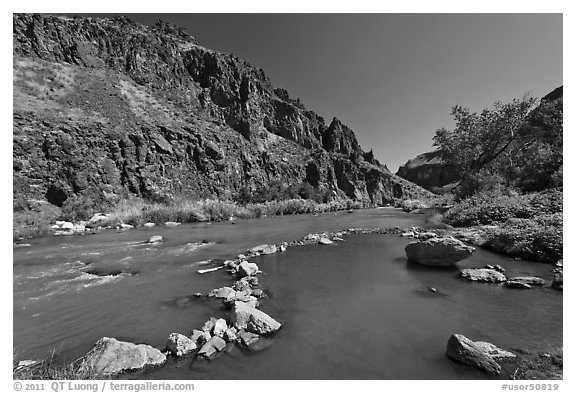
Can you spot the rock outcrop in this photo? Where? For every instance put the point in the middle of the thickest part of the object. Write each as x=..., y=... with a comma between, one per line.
x=428, y=170
x=105, y=109
x=438, y=251
x=110, y=356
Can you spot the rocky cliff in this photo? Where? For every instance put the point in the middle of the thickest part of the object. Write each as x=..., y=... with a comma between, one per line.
x=428, y=170
x=107, y=108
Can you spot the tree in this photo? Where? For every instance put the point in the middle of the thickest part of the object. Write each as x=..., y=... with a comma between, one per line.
x=480, y=146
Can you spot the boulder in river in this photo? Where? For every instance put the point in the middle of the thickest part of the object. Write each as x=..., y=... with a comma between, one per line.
x=110, y=356
x=247, y=338
x=220, y=327
x=196, y=334
x=209, y=324
x=253, y=320
x=180, y=345
x=230, y=334
x=156, y=239
x=325, y=240
x=222, y=293
x=149, y=225
x=247, y=269
x=483, y=275
x=464, y=350
x=264, y=249
x=443, y=251
x=528, y=280
x=215, y=344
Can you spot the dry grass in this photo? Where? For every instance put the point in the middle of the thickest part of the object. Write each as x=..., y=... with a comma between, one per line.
x=55, y=368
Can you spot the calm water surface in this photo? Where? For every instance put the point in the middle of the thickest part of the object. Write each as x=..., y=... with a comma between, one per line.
x=353, y=310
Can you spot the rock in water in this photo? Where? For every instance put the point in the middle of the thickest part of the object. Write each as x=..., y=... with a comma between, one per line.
x=517, y=284
x=248, y=338
x=155, y=239
x=253, y=320
x=325, y=240
x=483, y=275
x=247, y=269
x=215, y=344
x=464, y=350
x=110, y=356
x=219, y=327
x=529, y=280
x=443, y=251
x=180, y=345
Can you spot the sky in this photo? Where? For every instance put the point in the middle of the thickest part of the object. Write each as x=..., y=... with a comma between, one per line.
x=392, y=78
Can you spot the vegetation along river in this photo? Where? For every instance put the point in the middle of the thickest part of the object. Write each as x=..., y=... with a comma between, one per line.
x=350, y=310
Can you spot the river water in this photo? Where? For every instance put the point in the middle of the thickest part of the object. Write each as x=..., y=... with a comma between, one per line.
x=352, y=310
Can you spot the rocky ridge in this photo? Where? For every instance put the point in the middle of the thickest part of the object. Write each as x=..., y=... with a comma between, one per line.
x=105, y=109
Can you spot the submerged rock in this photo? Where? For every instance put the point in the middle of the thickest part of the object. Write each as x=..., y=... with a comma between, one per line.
x=180, y=345
x=517, y=284
x=483, y=275
x=110, y=356
x=464, y=350
x=444, y=252
x=253, y=320
x=529, y=280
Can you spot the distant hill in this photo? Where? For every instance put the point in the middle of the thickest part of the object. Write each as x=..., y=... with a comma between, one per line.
x=105, y=109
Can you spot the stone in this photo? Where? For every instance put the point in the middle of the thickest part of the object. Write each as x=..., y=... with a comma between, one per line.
x=441, y=251
x=212, y=346
x=219, y=327
x=171, y=223
x=66, y=225
x=528, y=280
x=209, y=324
x=241, y=285
x=230, y=335
x=110, y=356
x=314, y=237
x=493, y=351
x=264, y=249
x=247, y=338
x=464, y=350
x=325, y=240
x=247, y=269
x=180, y=345
x=407, y=234
x=126, y=226
x=426, y=235
x=242, y=256
x=558, y=281
x=257, y=292
x=196, y=334
x=223, y=293
x=517, y=284
x=253, y=320
x=499, y=268
x=155, y=239
x=483, y=275
x=149, y=225
x=206, y=336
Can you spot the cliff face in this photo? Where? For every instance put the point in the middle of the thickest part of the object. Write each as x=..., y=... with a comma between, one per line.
x=428, y=170
x=106, y=108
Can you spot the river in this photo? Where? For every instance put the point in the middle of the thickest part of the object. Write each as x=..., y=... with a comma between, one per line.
x=352, y=310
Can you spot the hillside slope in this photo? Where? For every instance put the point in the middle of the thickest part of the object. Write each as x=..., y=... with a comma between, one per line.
x=106, y=109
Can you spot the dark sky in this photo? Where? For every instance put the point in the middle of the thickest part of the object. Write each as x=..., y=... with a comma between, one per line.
x=392, y=78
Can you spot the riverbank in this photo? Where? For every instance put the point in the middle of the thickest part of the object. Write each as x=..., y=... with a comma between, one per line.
x=136, y=213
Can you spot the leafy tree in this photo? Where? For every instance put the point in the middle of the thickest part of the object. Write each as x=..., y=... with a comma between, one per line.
x=481, y=145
